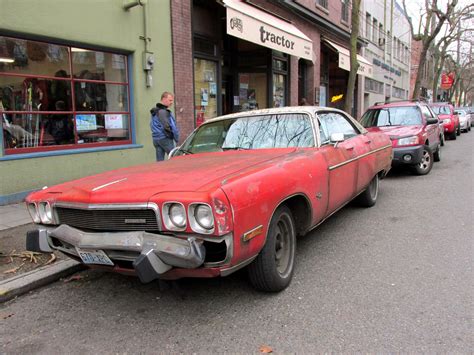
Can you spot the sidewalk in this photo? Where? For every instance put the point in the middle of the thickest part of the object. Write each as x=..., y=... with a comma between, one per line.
x=20, y=271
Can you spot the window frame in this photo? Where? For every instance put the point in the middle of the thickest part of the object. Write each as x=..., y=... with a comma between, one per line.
x=73, y=111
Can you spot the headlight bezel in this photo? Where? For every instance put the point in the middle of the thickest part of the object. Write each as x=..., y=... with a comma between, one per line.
x=33, y=211
x=411, y=140
x=45, y=212
x=168, y=220
x=196, y=225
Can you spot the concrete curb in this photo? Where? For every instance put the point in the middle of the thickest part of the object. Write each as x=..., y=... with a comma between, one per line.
x=44, y=275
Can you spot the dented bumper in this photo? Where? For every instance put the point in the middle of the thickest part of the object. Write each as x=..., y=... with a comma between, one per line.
x=152, y=254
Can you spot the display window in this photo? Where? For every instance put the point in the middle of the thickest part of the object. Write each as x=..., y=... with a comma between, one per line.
x=252, y=91
x=55, y=97
x=205, y=89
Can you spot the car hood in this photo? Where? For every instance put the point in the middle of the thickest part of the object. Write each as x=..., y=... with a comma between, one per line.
x=398, y=131
x=199, y=172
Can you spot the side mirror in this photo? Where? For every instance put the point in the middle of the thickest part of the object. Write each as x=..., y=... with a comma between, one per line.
x=337, y=138
x=432, y=121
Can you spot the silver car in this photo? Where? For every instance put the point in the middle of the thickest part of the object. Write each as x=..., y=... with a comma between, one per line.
x=464, y=120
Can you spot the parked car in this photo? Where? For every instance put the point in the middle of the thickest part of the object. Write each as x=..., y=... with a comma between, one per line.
x=413, y=129
x=235, y=194
x=446, y=112
x=464, y=119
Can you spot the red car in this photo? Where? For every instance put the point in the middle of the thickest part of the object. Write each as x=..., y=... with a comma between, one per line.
x=235, y=194
x=445, y=112
x=413, y=129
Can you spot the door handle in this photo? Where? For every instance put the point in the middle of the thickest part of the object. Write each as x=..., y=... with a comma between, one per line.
x=368, y=141
x=349, y=148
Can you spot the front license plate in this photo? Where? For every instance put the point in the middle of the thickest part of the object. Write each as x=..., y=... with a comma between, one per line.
x=90, y=256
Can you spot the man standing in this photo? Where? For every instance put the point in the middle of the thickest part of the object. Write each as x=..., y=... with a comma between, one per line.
x=163, y=126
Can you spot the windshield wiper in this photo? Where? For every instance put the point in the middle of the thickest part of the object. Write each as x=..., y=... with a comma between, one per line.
x=234, y=148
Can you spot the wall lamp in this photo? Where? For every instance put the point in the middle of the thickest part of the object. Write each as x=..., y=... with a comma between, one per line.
x=128, y=4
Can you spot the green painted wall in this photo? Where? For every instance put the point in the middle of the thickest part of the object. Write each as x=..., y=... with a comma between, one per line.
x=101, y=23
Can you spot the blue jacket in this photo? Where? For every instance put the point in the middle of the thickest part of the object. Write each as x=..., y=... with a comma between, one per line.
x=163, y=124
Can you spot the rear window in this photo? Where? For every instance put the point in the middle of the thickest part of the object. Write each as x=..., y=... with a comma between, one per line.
x=441, y=110
x=392, y=116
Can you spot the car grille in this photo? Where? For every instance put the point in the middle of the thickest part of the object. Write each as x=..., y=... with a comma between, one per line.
x=109, y=219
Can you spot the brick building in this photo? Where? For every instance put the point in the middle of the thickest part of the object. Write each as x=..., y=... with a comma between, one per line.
x=231, y=56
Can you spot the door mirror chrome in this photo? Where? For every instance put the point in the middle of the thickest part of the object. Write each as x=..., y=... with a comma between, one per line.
x=337, y=138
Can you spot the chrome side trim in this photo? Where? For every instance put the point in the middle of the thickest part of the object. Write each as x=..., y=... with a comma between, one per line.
x=230, y=270
x=359, y=157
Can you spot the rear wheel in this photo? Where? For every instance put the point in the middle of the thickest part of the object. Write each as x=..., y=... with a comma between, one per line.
x=453, y=135
x=426, y=163
x=273, y=268
x=368, y=198
x=441, y=139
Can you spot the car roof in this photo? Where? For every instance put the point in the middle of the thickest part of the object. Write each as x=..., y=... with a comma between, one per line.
x=403, y=103
x=277, y=110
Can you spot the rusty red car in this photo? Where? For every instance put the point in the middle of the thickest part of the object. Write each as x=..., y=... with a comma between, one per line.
x=235, y=194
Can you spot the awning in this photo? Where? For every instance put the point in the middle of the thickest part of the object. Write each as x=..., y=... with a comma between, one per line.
x=365, y=67
x=254, y=25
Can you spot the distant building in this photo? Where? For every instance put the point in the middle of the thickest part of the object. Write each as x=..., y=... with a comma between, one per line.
x=386, y=29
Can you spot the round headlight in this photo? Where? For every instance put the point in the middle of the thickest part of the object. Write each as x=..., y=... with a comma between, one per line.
x=34, y=213
x=177, y=215
x=204, y=217
x=45, y=213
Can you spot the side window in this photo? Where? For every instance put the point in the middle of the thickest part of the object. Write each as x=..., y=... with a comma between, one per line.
x=426, y=112
x=333, y=122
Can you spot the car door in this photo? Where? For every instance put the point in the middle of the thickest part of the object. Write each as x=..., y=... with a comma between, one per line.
x=341, y=158
x=432, y=130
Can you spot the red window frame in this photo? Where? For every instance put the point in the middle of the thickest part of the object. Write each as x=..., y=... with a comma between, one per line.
x=72, y=80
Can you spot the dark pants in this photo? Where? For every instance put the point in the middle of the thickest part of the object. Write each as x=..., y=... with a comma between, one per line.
x=162, y=146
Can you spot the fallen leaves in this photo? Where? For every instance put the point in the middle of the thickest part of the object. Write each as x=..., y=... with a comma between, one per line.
x=25, y=256
x=265, y=349
x=73, y=278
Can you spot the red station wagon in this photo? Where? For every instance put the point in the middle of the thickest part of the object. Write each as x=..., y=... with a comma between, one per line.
x=235, y=194
x=445, y=112
x=413, y=129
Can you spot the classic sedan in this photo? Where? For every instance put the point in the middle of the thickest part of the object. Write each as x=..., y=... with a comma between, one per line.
x=236, y=194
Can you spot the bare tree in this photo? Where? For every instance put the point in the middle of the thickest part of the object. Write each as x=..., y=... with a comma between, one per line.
x=353, y=53
x=430, y=25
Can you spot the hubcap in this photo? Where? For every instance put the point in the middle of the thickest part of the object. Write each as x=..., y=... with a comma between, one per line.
x=425, y=161
x=283, y=246
x=374, y=188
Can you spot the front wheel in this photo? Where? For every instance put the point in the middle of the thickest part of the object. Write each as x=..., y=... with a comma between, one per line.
x=272, y=270
x=368, y=198
x=426, y=163
x=458, y=132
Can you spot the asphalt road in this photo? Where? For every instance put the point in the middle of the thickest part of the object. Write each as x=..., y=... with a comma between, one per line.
x=393, y=278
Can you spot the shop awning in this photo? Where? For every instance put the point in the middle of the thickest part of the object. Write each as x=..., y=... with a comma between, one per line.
x=365, y=67
x=254, y=25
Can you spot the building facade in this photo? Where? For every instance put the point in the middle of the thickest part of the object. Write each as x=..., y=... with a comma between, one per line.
x=232, y=55
x=387, y=31
x=77, y=82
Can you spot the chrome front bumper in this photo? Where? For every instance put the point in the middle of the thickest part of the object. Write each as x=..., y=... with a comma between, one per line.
x=153, y=254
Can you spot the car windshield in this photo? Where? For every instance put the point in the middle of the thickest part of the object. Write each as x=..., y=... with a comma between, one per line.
x=392, y=116
x=441, y=110
x=252, y=132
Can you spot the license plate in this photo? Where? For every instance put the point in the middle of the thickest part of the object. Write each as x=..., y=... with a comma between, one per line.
x=90, y=256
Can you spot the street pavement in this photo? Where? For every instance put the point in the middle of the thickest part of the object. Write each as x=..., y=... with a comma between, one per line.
x=393, y=278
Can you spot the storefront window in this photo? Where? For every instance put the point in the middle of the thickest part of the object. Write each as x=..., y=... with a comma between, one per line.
x=252, y=91
x=205, y=89
x=279, y=92
x=59, y=97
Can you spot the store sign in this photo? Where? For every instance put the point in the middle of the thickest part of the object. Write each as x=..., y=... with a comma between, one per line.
x=254, y=25
x=447, y=81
